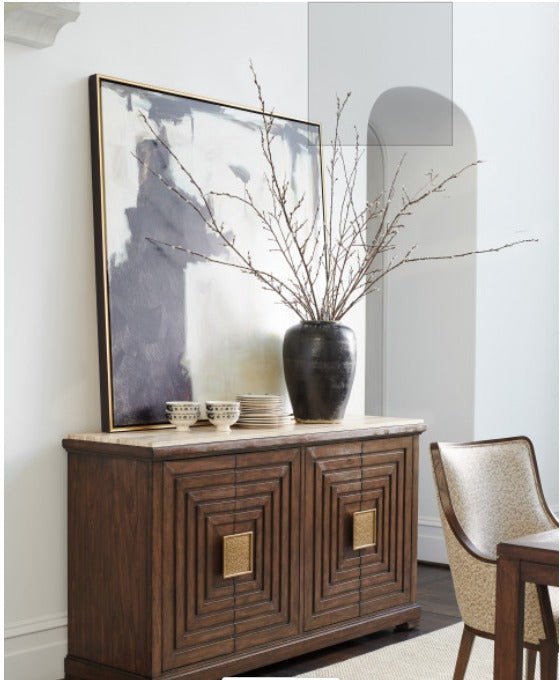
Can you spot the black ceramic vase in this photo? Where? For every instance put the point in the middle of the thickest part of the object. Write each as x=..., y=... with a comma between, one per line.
x=319, y=367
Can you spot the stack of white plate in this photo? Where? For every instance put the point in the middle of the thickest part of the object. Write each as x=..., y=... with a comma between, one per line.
x=263, y=411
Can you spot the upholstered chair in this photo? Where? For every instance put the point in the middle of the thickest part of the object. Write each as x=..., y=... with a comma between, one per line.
x=488, y=492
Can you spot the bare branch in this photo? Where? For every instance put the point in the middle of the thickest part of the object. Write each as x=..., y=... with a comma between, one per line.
x=333, y=261
x=366, y=287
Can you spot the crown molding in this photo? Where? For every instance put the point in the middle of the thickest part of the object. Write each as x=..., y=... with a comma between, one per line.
x=36, y=24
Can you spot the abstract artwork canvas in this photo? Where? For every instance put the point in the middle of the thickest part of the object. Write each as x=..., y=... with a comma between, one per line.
x=173, y=326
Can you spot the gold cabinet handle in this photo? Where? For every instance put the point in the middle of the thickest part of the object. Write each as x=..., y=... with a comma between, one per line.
x=364, y=529
x=238, y=554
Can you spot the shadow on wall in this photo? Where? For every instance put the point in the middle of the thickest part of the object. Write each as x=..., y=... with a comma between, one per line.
x=422, y=325
x=412, y=116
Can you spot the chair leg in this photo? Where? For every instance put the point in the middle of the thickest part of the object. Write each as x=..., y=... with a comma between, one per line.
x=530, y=663
x=548, y=651
x=549, y=646
x=464, y=654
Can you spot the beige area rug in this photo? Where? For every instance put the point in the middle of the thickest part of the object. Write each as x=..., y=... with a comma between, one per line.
x=426, y=657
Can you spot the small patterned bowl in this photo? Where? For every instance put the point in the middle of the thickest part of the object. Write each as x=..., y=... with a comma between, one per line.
x=223, y=405
x=182, y=414
x=182, y=406
x=223, y=414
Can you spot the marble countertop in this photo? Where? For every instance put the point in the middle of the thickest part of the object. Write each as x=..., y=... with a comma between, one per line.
x=207, y=434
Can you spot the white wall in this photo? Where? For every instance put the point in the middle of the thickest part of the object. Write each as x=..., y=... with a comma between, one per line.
x=51, y=327
x=379, y=45
x=429, y=308
x=505, y=81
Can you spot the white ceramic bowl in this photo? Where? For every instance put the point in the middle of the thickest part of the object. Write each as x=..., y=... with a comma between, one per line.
x=223, y=414
x=182, y=414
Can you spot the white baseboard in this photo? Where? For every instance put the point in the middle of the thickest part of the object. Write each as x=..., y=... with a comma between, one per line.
x=35, y=649
x=431, y=543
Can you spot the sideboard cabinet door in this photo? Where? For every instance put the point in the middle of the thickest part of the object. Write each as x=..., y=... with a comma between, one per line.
x=374, y=478
x=250, y=503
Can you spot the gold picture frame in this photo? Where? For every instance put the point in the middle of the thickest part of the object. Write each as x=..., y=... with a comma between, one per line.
x=138, y=409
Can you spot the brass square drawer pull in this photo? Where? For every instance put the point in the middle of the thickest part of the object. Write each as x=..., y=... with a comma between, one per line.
x=238, y=554
x=364, y=529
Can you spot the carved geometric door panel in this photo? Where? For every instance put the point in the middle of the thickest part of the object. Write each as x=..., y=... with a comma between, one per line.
x=266, y=603
x=387, y=469
x=198, y=509
x=231, y=515
x=353, y=488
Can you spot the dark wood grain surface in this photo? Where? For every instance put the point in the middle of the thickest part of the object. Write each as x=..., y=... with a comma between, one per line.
x=148, y=596
x=439, y=609
x=541, y=548
x=109, y=522
x=532, y=559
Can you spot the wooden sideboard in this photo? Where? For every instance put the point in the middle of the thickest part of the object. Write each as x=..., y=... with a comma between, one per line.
x=201, y=554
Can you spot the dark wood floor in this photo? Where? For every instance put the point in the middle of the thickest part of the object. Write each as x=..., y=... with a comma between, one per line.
x=439, y=609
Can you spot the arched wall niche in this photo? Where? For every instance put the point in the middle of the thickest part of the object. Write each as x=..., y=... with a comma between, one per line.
x=420, y=357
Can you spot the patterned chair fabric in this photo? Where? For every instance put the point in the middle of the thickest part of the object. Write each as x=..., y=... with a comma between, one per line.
x=491, y=492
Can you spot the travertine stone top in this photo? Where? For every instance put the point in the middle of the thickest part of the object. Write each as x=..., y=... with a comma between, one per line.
x=201, y=436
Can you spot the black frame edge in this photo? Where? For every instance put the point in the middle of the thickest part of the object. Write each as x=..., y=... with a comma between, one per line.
x=102, y=330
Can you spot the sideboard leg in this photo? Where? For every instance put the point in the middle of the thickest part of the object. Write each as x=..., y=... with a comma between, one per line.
x=406, y=626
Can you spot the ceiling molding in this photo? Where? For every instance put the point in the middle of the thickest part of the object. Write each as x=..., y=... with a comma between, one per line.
x=36, y=24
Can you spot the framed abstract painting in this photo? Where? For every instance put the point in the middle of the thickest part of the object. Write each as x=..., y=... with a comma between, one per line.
x=173, y=326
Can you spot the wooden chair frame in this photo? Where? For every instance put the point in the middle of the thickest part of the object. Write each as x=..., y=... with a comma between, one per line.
x=548, y=646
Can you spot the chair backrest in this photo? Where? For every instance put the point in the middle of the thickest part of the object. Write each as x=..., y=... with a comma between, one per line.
x=494, y=490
